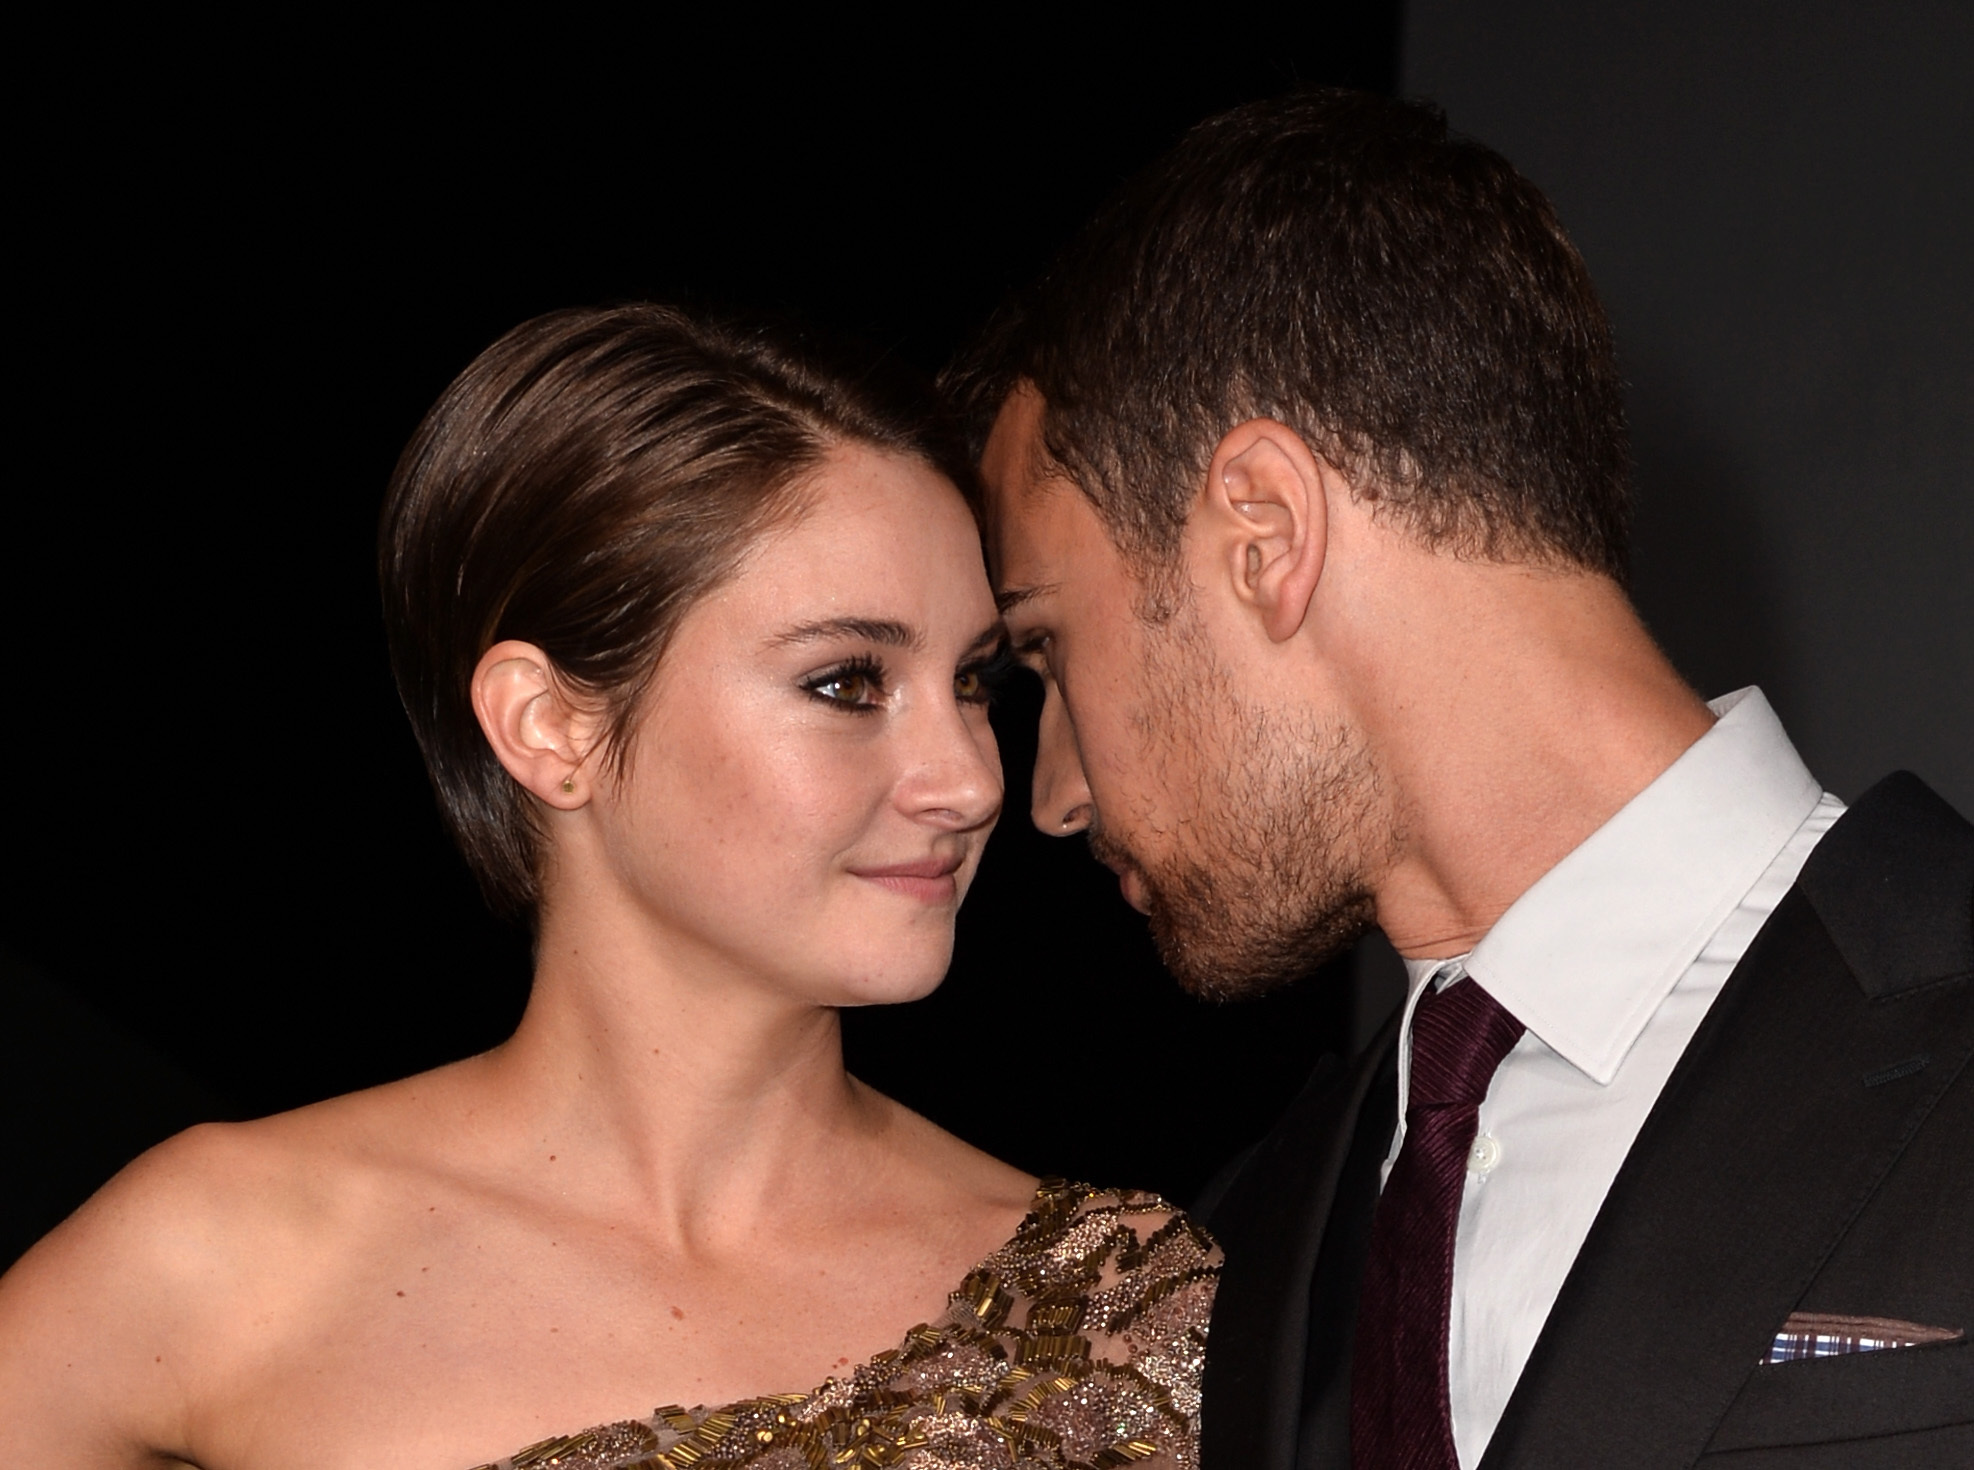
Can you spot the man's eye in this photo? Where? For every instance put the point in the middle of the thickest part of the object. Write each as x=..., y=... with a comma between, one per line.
x=984, y=682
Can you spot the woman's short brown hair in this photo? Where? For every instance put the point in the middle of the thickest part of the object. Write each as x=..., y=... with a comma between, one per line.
x=578, y=487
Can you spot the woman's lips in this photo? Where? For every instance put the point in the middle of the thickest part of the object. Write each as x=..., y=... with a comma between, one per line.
x=930, y=880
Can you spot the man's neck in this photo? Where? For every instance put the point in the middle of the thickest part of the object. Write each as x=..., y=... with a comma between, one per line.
x=1526, y=711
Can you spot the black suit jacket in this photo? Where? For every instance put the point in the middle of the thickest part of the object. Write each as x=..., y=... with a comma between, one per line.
x=1813, y=1151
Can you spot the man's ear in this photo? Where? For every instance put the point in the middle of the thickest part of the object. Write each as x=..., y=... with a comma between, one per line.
x=1263, y=526
x=536, y=730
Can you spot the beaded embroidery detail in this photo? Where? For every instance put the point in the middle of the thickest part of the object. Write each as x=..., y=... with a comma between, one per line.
x=1078, y=1345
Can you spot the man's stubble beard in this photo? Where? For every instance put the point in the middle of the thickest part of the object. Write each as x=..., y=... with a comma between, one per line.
x=1272, y=873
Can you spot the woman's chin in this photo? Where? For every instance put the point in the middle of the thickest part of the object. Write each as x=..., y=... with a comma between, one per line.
x=895, y=986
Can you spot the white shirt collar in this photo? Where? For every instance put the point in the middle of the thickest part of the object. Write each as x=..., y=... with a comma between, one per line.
x=1589, y=952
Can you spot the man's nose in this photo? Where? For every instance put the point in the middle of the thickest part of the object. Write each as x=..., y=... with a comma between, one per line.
x=1062, y=802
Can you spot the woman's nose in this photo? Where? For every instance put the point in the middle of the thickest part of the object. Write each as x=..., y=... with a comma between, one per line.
x=1061, y=803
x=957, y=778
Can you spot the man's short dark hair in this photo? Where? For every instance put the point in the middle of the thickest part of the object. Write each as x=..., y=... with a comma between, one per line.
x=1397, y=294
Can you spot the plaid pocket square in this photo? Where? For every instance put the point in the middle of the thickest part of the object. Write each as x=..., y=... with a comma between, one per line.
x=1828, y=1335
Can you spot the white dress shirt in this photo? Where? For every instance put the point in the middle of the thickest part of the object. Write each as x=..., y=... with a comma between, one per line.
x=1610, y=960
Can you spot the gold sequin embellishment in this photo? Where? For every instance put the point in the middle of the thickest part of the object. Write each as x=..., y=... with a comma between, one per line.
x=1078, y=1345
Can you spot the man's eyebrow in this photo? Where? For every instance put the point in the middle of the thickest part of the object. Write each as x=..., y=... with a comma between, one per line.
x=874, y=630
x=991, y=636
x=1014, y=597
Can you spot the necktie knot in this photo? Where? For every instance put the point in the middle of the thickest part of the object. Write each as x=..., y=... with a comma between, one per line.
x=1459, y=1036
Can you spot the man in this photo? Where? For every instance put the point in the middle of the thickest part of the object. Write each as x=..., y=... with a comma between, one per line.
x=1307, y=497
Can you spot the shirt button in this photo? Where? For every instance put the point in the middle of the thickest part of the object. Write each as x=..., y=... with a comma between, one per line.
x=1484, y=1155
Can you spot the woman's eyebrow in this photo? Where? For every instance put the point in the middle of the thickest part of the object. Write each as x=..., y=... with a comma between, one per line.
x=874, y=630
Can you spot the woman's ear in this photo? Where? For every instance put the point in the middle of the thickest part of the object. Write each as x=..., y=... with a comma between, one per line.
x=538, y=733
x=1265, y=522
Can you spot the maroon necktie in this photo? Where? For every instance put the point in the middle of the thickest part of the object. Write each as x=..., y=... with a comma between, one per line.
x=1400, y=1414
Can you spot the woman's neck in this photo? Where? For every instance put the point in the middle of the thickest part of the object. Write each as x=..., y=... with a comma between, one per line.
x=650, y=1069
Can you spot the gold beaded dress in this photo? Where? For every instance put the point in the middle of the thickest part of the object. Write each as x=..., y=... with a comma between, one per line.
x=1077, y=1345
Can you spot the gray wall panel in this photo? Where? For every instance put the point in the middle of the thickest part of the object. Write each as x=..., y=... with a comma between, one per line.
x=1778, y=204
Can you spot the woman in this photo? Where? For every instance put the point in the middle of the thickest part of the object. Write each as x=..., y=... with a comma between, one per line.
x=696, y=642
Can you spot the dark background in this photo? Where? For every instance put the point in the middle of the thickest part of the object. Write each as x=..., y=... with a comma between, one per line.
x=1777, y=202
x=251, y=263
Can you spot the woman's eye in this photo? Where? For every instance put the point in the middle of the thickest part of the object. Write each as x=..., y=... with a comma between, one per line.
x=971, y=687
x=858, y=689
x=847, y=689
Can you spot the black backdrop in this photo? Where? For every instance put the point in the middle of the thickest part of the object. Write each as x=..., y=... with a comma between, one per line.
x=244, y=262
x=248, y=265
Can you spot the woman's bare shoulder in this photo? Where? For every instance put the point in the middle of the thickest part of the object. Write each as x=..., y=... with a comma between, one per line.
x=957, y=1165
x=222, y=1198
x=173, y=1266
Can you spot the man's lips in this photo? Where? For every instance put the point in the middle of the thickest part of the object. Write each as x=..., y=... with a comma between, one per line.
x=1132, y=886
x=1130, y=882
x=930, y=880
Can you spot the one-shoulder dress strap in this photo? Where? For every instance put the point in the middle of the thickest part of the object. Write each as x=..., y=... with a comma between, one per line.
x=1079, y=1342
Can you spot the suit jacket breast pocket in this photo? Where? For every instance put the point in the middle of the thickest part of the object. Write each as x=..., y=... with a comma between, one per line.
x=1865, y=1411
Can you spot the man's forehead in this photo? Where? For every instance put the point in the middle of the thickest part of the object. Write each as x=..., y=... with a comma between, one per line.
x=1054, y=557
x=1016, y=462
x=1023, y=484
x=1038, y=545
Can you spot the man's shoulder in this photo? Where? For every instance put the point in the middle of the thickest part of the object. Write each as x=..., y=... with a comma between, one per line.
x=1893, y=885
x=1306, y=1145
x=1807, y=1156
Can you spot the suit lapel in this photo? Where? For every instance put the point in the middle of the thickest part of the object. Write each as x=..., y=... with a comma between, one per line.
x=1764, y=1146
x=1272, y=1222
x=1338, y=1283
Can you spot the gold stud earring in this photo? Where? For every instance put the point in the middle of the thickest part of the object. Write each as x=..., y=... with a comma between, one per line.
x=569, y=782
